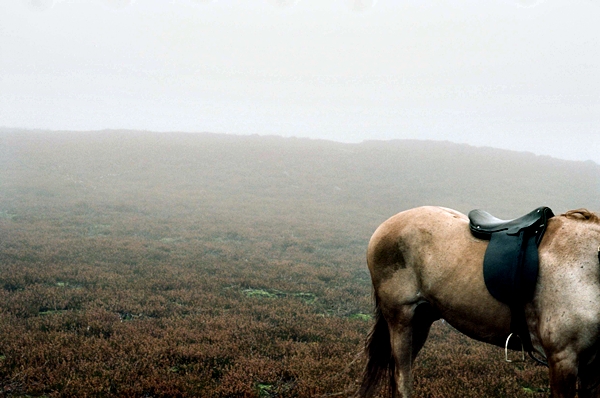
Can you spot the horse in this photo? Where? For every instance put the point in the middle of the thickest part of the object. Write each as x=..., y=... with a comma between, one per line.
x=425, y=265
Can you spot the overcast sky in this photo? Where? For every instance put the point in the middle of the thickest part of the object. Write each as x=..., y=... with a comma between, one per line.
x=516, y=74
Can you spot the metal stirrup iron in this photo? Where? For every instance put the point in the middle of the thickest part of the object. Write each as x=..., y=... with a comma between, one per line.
x=506, y=349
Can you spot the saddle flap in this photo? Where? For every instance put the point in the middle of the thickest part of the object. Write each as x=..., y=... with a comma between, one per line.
x=511, y=268
x=511, y=260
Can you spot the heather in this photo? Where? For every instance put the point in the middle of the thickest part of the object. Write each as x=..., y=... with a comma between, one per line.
x=161, y=265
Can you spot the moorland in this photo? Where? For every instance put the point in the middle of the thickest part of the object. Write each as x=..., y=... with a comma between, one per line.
x=163, y=265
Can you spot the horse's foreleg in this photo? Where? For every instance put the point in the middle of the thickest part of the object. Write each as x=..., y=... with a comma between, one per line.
x=563, y=376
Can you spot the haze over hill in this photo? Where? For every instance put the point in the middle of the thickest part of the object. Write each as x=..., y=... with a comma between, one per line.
x=512, y=74
x=315, y=179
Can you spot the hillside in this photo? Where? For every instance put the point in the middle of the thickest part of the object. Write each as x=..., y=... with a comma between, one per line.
x=145, y=264
x=231, y=176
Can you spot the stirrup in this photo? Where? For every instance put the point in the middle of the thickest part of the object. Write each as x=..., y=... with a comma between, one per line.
x=506, y=349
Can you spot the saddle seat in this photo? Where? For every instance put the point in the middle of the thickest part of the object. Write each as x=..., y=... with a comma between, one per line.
x=483, y=224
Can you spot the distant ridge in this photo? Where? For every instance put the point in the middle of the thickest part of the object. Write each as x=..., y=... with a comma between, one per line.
x=228, y=175
x=269, y=136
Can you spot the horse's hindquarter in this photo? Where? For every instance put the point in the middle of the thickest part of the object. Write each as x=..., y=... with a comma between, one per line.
x=427, y=254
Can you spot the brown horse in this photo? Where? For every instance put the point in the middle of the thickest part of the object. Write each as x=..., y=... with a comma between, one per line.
x=425, y=265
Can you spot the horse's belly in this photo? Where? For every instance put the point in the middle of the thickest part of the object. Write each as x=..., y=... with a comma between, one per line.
x=490, y=327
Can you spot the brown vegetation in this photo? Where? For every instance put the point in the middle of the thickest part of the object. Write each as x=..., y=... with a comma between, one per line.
x=138, y=264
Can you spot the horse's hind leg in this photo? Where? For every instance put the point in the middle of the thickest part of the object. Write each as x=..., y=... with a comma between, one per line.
x=409, y=326
x=401, y=336
x=399, y=303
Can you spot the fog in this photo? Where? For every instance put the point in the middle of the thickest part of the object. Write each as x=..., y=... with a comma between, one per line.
x=515, y=74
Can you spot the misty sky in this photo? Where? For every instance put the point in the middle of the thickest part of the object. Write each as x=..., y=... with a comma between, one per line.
x=516, y=74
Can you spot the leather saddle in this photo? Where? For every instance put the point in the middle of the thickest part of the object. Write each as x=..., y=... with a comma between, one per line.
x=511, y=261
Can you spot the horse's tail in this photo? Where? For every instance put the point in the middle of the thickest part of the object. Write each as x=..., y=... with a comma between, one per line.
x=380, y=362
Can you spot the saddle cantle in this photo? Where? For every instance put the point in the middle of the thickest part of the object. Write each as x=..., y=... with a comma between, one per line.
x=511, y=261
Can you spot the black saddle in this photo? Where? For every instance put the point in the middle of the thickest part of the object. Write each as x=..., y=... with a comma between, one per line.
x=511, y=261
x=483, y=224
